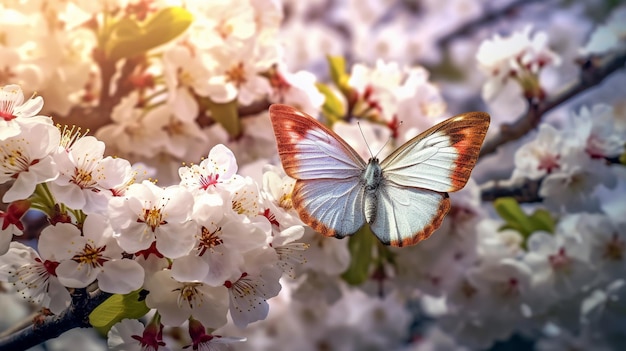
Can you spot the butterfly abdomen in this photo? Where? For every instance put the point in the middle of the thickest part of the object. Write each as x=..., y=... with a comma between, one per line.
x=371, y=179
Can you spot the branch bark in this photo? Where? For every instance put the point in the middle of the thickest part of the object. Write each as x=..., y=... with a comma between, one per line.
x=75, y=316
x=489, y=17
x=593, y=71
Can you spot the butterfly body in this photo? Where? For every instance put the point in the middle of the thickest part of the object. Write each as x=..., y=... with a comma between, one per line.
x=372, y=179
x=403, y=198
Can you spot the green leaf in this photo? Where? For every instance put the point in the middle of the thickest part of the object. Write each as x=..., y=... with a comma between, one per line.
x=227, y=115
x=333, y=108
x=516, y=219
x=360, y=246
x=338, y=74
x=622, y=158
x=130, y=38
x=116, y=308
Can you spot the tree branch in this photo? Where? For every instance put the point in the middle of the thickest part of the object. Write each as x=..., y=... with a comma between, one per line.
x=524, y=191
x=489, y=17
x=75, y=316
x=593, y=71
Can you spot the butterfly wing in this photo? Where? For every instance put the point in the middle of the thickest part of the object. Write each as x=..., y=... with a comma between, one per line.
x=405, y=216
x=332, y=207
x=328, y=194
x=442, y=157
x=309, y=150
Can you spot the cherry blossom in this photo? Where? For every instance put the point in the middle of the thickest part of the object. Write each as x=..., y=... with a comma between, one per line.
x=34, y=275
x=93, y=254
x=218, y=170
x=131, y=335
x=177, y=301
x=14, y=111
x=249, y=293
x=148, y=213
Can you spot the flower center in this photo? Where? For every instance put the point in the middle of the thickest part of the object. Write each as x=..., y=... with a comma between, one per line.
x=209, y=240
x=207, y=181
x=236, y=74
x=152, y=217
x=560, y=260
x=190, y=295
x=91, y=256
x=83, y=178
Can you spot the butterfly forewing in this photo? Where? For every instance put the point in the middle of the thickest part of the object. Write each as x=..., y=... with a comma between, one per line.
x=309, y=150
x=442, y=157
x=405, y=216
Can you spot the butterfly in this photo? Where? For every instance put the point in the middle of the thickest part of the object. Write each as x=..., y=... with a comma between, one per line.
x=404, y=198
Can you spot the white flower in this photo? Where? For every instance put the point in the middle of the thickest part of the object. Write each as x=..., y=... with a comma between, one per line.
x=503, y=286
x=83, y=172
x=185, y=74
x=131, y=335
x=237, y=74
x=276, y=192
x=289, y=252
x=216, y=171
x=221, y=241
x=34, y=276
x=200, y=340
x=560, y=266
x=607, y=241
x=326, y=255
x=135, y=131
x=518, y=57
x=15, y=112
x=572, y=187
x=92, y=255
x=248, y=295
x=608, y=36
x=148, y=213
x=28, y=163
x=222, y=23
x=596, y=129
x=17, y=67
x=540, y=156
x=177, y=301
x=11, y=223
x=296, y=89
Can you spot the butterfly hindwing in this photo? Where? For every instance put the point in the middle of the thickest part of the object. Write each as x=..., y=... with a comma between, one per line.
x=309, y=150
x=405, y=216
x=332, y=207
x=442, y=157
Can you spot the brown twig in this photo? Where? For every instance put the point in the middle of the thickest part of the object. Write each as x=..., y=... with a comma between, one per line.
x=489, y=17
x=524, y=191
x=593, y=72
x=75, y=316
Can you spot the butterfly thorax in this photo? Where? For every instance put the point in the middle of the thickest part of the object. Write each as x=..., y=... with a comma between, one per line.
x=371, y=179
x=372, y=176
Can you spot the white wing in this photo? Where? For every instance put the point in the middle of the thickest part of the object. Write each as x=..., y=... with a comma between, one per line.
x=405, y=215
x=333, y=207
x=328, y=194
x=309, y=150
x=442, y=157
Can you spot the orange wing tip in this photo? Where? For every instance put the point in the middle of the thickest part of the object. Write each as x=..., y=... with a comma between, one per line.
x=425, y=233
x=467, y=139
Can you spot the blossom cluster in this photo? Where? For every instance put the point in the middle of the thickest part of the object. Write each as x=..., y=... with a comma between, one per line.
x=216, y=246
x=202, y=248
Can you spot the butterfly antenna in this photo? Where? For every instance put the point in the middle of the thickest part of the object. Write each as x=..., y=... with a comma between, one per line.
x=363, y=135
x=387, y=142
